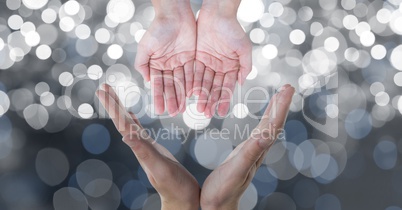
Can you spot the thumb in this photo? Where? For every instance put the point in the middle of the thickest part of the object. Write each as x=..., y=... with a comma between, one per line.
x=145, y=152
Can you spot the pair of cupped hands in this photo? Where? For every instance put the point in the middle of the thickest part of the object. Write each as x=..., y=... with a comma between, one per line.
x=182, y=56
x=177, y=188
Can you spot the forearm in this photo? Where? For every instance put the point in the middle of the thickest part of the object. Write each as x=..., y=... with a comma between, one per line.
x=171, y=7
x=222, y=7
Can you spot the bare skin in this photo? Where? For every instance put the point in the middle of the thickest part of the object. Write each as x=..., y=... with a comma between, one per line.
x=176, y=186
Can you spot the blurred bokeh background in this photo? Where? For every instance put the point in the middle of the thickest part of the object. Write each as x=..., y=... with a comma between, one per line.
x=342, y=146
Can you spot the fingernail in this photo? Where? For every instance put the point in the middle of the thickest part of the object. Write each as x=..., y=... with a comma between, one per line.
x=283, y=88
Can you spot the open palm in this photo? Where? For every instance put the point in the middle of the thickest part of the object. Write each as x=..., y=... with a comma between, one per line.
x=173, y=182
x=226, y=184
x=166, y=57
x=223, y=57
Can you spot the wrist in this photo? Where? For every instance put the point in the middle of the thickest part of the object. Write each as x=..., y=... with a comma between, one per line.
x=220, y=207
x=172, y=8
x=179, y=206
x=224, y=8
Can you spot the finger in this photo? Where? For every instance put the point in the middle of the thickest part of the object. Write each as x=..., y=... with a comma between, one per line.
x=229, y=84
x=256, y=145
x=245, y=60
x=214, y=96
x=132, y=115
x=198, y=76
x=205, y=90
x=189, y=76
x=150, y=159
x=179, y=86
x=170, y=93
x=157, y=91
x=142, y=64
x=121, y=119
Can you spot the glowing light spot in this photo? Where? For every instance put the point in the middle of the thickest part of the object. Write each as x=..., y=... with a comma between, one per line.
x=47, y=99
x=351, y=54
x=378, y=52
x=82, y=31
x=350, y=22
x=297, y=37
x=43, y=52
x=398, y=79
x=316, y=29
x=120, y=11
x=240, y=110
x=49, y=16
x=27, y=27
x=328, y=4
x=115, y=51
x=194, y=119
x=382, y=98
x=270, y=51
x=395, y=58
x=384, y=16
x=95, y=72
x=305, y=13
x=36, y=116
x=367, y=38
x=13, y=4
x=400, y=104
x=71, y=7
x=362, y=27
x=66, y=79
x=34, y=4
x=250, y=11
x=67, y=24
x=257, y=35
x=32, y=38
x=332, y=110
x=307, y=81
x=331, y=44
x=348, y=4
x=267, y=20
x=102, y=36
x=4, y=103
x=376, y=87
x=15, y=22
x=85, y=111
x=276, y=9
x=41, y=87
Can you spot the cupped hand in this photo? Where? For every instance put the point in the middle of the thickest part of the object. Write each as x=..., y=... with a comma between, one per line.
x=165, y=56
x=177, y=188
x=223, y=57
x=224, y=187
